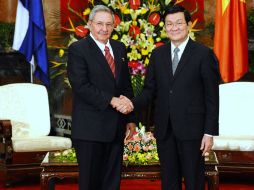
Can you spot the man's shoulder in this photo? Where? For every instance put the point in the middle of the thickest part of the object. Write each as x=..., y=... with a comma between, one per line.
x=203, y=50
x=80, y=43
x=117, y=43
x=198, y=45
x=162, y=48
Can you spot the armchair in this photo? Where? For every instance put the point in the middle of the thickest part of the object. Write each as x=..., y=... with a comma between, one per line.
x=24, y=130
x=235, y=144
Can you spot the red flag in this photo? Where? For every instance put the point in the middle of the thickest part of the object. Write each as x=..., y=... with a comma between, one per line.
x=230, y=40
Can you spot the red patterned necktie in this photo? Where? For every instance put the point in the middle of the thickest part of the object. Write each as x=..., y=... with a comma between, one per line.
x=110, y=60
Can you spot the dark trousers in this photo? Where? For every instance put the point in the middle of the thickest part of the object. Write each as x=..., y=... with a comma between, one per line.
x=181, y=160
x=100, y=164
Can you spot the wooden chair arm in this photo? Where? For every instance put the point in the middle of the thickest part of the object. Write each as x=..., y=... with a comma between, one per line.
x=6, y=149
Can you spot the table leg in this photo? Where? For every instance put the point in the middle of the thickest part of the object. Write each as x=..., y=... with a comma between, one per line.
x=44, y=180
x=47, y=181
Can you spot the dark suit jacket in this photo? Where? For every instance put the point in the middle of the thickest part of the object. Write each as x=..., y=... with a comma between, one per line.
x=188, y=102
x=93, y=87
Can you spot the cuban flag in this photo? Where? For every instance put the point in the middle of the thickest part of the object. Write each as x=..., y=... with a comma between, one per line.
x=30, y=37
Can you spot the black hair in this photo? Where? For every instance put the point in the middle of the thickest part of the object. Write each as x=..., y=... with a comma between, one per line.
x=176, y=9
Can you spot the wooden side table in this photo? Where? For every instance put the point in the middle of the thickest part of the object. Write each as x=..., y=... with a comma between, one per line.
x=54, y=169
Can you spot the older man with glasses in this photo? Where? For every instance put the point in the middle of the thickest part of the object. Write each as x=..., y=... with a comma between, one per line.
x=98, y=73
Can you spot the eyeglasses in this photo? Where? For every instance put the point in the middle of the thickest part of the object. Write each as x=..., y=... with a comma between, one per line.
x=102, y=24
x=170, y=25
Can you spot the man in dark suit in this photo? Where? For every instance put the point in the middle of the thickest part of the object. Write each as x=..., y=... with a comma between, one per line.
x=98, y=73
x=184, y=83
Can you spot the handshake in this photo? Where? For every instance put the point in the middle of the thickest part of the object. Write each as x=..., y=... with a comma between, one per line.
x=122, y=104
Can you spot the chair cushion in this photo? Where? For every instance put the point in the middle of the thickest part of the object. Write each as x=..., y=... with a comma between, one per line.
x=46, y=143
x=233, y=144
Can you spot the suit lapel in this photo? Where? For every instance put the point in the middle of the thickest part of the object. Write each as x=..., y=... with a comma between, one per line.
x=184, y=58
x=117, y=60
x=168, y=61
x=100, y=58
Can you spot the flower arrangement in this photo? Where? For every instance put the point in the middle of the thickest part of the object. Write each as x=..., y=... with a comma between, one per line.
x=138, y=24
x=141, y=149
x=68, y=155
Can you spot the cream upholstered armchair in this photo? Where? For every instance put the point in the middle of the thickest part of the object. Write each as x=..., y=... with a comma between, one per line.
x=235, y=144
x=24, y=129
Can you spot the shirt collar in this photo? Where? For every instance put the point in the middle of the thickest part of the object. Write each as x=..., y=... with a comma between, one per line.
x=101, y=45
x=181, y=47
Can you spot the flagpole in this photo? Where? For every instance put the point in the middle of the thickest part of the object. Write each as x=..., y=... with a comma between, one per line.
x=32, y=70
x=31, y=73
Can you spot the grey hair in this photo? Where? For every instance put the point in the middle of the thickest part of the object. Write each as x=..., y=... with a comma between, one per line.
x=100, y=8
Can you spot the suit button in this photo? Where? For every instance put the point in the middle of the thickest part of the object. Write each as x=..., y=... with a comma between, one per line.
x=171, y=92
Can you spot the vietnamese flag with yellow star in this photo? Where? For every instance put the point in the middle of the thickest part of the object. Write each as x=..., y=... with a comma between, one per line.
x=230, y=39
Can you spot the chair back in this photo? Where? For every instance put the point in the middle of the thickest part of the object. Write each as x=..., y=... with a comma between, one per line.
x=236, y=117
x=27, y=106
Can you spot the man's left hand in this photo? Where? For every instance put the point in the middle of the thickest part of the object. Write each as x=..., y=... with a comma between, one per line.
x=206, y=144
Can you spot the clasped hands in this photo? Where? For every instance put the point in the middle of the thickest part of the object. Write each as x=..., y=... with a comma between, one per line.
x=122, y=104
